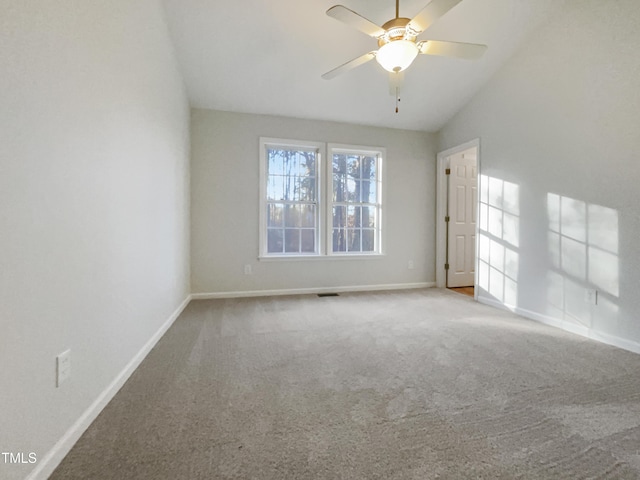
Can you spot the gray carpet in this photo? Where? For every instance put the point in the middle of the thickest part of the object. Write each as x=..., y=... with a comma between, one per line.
x=391, y=385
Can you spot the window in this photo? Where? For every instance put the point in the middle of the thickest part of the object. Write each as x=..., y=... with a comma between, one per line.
x=355, y=200
x=290, y=210
x=292, y=186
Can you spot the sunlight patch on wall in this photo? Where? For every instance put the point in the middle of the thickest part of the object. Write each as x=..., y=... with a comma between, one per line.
x=499, y=239
x=583, y=251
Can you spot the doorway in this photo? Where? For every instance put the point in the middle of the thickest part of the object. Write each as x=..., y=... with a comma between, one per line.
x=456, y=226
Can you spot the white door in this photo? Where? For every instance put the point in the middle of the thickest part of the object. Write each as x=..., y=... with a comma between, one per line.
x=461, y=241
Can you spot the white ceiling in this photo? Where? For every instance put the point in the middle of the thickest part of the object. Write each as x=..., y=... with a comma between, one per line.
x=261, y=56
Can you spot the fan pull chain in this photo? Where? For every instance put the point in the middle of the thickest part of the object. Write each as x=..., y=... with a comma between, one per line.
x=397, y=98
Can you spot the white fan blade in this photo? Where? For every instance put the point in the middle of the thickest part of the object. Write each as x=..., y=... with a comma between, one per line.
x=356, y=62
x=396, y=82
x=355, y=20
x=467, y=51
x=429, y=14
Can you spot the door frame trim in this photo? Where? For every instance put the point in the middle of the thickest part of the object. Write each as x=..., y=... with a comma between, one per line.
x=441, y=211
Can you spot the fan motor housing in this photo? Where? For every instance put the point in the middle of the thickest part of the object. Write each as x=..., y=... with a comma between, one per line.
x=396, y=29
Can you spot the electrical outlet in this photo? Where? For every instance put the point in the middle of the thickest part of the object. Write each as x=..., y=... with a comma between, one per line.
x=591, y=296
x=410, y=265
x=248, y=270
x=63, y=367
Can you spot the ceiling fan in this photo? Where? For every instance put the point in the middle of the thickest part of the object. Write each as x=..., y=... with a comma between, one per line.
x=397, y=39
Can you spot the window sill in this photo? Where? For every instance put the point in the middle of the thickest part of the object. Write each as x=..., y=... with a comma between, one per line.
x=314, y=258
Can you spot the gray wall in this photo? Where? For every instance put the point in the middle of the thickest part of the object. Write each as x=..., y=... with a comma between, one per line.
x=94, y=147
x=225, y=206
x=559, y=130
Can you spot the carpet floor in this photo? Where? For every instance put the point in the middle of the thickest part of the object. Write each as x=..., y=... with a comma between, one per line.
x=418, y=384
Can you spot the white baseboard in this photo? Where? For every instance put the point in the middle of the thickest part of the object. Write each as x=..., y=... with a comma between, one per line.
x=303, y=291
x=581, y=330
x=53, y=457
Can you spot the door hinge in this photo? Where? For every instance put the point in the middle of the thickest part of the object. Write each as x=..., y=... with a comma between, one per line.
x=447, y=218
x=447, y=171
x=446, y=266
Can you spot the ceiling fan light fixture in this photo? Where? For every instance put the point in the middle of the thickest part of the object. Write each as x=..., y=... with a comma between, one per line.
x=397, y=55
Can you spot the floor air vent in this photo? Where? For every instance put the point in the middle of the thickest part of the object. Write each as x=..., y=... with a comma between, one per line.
x=328, y=295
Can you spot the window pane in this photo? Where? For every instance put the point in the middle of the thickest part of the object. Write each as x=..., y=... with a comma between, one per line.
x=291, y=161
x=307, y=164
x=308, y=216
x=306, y=189
x=275, y=187
x=274, y=215
x=353, y=217
x=294, y=192
x=339, y=240
x=368, y=240
x=339, y=164
x=357, y=190
x=274, y=241
x=307, y=240
x=289, y=188
x=339, y=187
x=291, y=216
x=292, y=240
x=340, y=217
x=353, y=239
x=292, y=164
x=369, y=168
x=353, y=166
x=351, y=194
x=291, y=175
x=286, y=160
x=368, y=217
x=274, y=165
x=368, y=192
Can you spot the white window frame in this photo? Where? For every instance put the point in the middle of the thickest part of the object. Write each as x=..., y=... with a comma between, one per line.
x=324, y=199
x=380, y=154
x=286, y=143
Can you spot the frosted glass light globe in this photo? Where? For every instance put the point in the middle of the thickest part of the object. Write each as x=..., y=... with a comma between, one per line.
x=397, y=55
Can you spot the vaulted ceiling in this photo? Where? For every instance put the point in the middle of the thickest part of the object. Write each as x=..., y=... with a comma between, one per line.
x=267, y=57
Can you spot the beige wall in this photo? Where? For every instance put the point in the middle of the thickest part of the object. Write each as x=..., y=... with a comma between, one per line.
x=94, y=146
x=225, y=206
